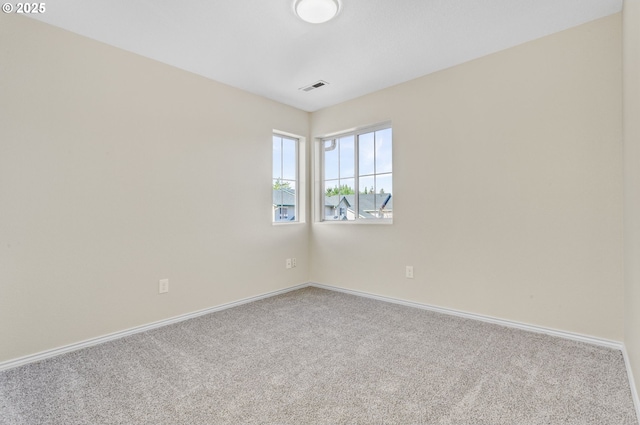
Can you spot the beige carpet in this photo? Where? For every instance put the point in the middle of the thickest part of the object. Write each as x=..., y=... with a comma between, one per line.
x=314, y=356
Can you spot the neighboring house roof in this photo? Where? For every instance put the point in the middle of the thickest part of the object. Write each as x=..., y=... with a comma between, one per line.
x=284, y=197
x=368, y=202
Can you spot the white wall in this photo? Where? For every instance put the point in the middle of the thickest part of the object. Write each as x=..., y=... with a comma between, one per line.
x=116, y=171
x=631, y=129
x=507, y=187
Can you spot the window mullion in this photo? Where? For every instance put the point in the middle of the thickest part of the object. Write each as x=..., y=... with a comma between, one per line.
x=375, y=172
x=338, y=145
x=281, y=158
x=356, y=172
x=296, y=197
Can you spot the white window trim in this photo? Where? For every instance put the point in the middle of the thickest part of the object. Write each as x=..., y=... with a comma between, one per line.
x=318, y=167
x=301, y=181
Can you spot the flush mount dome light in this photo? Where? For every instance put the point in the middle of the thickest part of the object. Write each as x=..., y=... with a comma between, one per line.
x=316, y=11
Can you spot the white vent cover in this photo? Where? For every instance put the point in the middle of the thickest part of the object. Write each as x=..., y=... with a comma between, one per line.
x=314, y=86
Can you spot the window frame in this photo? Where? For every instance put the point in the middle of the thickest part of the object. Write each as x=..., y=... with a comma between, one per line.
x=319, y=163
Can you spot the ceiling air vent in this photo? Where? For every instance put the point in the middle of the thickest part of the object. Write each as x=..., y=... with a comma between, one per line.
x=314, y=86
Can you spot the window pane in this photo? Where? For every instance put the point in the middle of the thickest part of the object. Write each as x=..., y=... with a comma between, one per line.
x=367, y=198
x=367, y=185
x=347, y=203
x=384, y=183
x=383, y=151
x=283, y=213
x=377, y=204
x=347, y=157
x=366, y=154
x=347, y=186
x=277, y=196
x=385, y=205
x=284, y=200
x=277, y=199
x=288, y=159
x=367, y=206
x=330, y=159
x=331, y=200
x=288, y=185
x=277, y=157
x=331, y=187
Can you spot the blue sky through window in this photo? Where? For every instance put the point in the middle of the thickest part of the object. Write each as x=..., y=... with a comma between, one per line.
x=374, y=159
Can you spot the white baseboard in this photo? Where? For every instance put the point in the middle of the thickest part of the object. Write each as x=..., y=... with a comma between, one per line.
x=531, y=328
x=121, y=334
x=632, y=381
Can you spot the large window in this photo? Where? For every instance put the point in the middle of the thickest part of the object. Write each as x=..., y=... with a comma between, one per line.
x=357, y=176
x=285, y=178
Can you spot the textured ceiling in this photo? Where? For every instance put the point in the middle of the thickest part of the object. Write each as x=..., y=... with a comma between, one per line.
x=261, y=45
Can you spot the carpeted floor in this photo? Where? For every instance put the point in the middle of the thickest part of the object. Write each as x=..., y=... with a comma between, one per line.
x=314, y=356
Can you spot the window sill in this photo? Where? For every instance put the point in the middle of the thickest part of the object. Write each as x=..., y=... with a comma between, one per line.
x=357, y=222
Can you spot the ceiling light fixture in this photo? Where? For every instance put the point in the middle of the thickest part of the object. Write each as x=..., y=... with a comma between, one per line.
x=316, y=11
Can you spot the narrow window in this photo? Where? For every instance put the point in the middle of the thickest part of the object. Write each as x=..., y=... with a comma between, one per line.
x=358, y=176
x=285, y=178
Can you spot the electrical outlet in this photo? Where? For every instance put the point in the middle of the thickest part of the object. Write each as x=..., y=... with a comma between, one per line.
x=294, y=263
x=163, y=286
x=288, y=263
x=409, y=272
